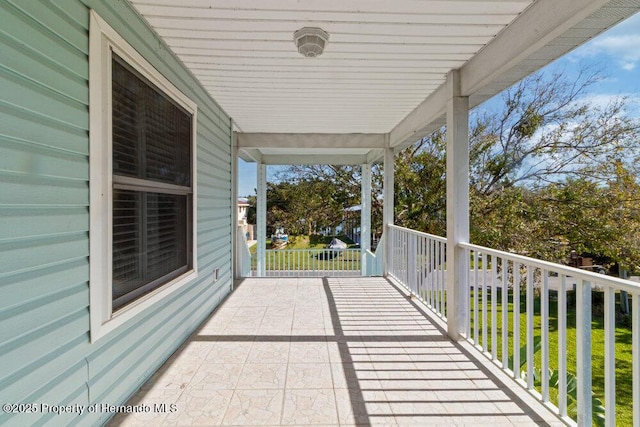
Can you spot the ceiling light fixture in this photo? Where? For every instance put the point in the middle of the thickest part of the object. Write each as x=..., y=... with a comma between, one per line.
x=311, y=41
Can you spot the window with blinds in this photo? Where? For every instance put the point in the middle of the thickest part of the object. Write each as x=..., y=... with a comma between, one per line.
x=152, y=186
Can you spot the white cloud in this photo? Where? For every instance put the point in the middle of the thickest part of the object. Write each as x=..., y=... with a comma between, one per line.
x=628, y=66
x=602, y=100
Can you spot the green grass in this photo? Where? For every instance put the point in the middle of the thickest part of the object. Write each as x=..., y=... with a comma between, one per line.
x=281, y=260
x=623, y=348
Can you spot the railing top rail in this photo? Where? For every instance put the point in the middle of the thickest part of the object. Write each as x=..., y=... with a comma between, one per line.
x=313, y=249
x=594, y=278
x=419, y=233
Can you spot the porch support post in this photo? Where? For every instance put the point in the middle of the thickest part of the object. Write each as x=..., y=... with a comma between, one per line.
x=457, y=205
x=365, y=217
x=261, y=214
x=235, y=270
x=387, y=210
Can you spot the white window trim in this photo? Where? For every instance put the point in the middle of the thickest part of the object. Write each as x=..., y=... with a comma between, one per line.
x=103, y=40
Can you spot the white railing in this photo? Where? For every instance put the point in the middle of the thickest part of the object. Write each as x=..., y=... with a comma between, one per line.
x=531, y=286
x=375, y=261
x=417, y=261
x=243, y=266
x=528, y=316
x=312, y=262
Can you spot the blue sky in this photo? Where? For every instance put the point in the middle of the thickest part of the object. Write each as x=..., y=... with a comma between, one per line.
x=616, y=51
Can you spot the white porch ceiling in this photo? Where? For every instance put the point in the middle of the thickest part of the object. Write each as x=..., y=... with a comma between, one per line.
x=383, y=70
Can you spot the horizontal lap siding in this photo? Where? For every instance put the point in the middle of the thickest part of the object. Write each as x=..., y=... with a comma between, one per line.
x=45, y=353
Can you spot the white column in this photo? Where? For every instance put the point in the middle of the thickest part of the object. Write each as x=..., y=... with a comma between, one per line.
x=235, y=271
x=261, y=219
x=387, y=210
x=457, y=205
x=365, y=216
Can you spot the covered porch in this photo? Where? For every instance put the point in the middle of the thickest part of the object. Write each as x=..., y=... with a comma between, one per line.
x=330, y=351
x=390, y=75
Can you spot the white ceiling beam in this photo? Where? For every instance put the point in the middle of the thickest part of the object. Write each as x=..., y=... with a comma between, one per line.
x=415, y=124
x=375, y=156
x=309, y=140
x=540, y=24
x=251, y=156
x=314, y=159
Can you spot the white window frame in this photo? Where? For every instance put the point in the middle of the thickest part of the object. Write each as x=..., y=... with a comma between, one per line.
x=103, y=41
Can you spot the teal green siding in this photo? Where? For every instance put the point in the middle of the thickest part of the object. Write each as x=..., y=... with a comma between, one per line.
x=45, y=352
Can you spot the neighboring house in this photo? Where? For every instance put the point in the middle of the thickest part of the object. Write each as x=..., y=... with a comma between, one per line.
x=74, y=330
x=350, y=226
x=243, y=210
x=351, y=222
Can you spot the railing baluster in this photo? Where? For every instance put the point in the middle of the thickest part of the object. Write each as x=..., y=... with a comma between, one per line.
x=443, y=285
x=516, y=321
x=504, y=265
x=413, y=282
x=430, y=271
x=610, y=355
x=529, y=334
x=583, y=356
x=485, y=344
x=544, y=314
x=420, y=267
x=494, y=310
x=476, y=291
x=438, y=280
x=425, y=269
x=635, y=344
x=444, y=280
x=467, y=281
x=407, y=280
x=436, y=294
x=562, y=346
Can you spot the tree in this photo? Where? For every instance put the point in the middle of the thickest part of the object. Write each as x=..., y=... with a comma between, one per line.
x=303, y=206
x=420, y=185
x=345, y=184
x=545, y=130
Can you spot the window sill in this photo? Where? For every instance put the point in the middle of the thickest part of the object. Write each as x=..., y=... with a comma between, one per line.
x=131, y=310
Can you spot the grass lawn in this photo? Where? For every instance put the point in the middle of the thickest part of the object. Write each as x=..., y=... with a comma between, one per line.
x=623, y=349
x=294, y=258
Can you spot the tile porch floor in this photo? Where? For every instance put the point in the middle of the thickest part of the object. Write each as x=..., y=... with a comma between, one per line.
x=332, y=351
